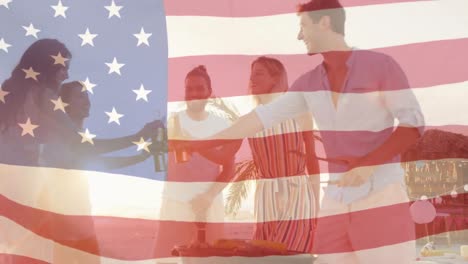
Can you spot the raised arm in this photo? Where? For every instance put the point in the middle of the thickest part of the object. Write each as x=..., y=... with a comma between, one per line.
x=285, y=107
x=59, y=125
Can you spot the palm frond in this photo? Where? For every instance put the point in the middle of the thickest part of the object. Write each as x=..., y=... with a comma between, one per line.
x=239, y=190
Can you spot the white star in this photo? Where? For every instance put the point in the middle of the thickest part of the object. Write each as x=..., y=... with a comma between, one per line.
x=4, y=46
x=59, y=59
x=5, y=3
x=142, y=144
x=142, y=93
x=28, y=128
x=2, y=95
x=60, y=9
x=114, y=66
x=88, y=86
x=59, y=104
x=31, y=31
x=142, y=37
x=114, y=10
x=87, y=137
x=87, y=38
x=114, y=116
x=30, y=73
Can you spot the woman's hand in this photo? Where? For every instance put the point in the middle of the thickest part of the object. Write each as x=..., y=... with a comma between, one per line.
x=150, y=129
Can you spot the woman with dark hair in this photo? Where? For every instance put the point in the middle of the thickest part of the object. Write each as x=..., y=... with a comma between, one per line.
x=287, y=193
x=57, y=153
x=36, y=77
x=204, y=169
x=27, y=118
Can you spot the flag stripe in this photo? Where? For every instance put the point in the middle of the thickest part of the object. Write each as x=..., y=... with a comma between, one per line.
x=425, y=65
x=16, y=259
x=111, y=202
x=132, y=239
x=399, y=24
x=228, y=8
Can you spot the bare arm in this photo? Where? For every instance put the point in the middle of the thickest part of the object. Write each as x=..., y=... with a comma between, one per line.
x=399, y=141
x=59, y=125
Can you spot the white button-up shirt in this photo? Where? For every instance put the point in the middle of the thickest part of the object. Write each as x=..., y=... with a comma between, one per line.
x=375, y=94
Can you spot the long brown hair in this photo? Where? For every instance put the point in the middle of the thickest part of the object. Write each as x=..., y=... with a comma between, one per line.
x=37, y=56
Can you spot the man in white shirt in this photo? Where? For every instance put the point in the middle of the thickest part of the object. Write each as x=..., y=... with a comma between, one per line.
x=355, y=97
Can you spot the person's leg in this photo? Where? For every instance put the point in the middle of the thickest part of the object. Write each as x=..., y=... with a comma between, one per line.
x=331, y=240
x=382, y=230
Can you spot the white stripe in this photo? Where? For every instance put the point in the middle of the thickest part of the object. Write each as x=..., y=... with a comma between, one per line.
x=440, y=105
x=17, y=240
x=40, y=248
x=110, y=194
x=368, y=27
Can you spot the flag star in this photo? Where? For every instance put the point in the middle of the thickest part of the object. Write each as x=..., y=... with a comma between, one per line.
x=142, y=37
x=114, y=116
x=30, y=73
x=3, y=45
x=59, y=104
x=114, y=66
x=5, y=3
x=28, y=128
x=59, y=59
x=142, y=93
x=31, y=31
x=2, y=95
x=88, y=86
x=87, y=38
x=142, y=144
x=114, y=10
x=60, y=9
x=87, y=137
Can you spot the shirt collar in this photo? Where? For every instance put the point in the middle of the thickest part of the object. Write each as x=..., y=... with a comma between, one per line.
x=349, y=62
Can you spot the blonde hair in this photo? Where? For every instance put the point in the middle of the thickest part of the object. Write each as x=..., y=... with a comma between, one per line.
x=276, y=69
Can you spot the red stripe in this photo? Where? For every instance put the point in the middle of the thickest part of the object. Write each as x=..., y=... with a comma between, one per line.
x=243, y=8
x=15, y=259
x=134, y=239
x=326, y=167
x=425, y=64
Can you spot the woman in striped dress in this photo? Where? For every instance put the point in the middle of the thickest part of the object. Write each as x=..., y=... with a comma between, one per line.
x=286, y=197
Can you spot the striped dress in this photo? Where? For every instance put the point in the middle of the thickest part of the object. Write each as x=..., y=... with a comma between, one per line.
x=284, y=198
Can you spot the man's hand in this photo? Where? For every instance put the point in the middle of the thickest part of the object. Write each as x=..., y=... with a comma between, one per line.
x=357, y=174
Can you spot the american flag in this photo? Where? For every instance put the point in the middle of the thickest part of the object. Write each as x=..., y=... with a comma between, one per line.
x=128, y=48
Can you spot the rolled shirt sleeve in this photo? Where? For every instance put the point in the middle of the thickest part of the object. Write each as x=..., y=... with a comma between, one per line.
x=400, y=99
